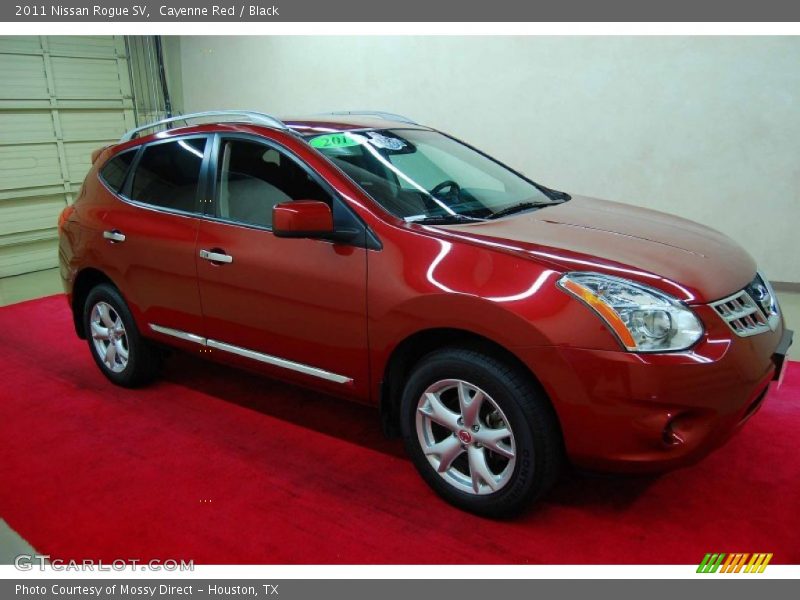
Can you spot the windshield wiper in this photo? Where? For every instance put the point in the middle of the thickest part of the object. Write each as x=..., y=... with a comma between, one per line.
x=515, y=208
x=445, y=219
x=553, y=194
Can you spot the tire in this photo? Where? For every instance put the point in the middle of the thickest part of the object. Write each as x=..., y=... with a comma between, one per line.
x=441, y=389
x=108, y=322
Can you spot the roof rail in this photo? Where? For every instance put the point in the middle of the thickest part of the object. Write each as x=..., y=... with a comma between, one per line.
x=373, y=113
x=257, y=118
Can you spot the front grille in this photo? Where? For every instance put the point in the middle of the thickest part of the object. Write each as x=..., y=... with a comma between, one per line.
x=750, y=311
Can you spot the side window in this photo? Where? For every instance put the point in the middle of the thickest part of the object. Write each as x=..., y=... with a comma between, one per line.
x=168, y=174
x=252, y=178
x=115, y=170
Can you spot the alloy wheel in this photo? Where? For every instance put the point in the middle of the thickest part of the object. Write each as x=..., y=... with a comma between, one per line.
x=109, y=336
x=466, y=437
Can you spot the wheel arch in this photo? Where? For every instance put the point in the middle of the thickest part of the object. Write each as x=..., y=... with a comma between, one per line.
x=415, y=346
x=86, y=280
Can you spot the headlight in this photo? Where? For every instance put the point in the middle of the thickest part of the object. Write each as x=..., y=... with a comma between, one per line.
x=642, y=318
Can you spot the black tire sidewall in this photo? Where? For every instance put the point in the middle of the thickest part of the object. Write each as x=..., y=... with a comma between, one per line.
x=131, y=374
x=532, y=433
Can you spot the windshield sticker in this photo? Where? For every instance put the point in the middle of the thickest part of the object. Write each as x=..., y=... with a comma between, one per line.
x=335, y=140
x=385, y=143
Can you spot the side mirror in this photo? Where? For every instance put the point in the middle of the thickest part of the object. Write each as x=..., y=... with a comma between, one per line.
x=302, y=219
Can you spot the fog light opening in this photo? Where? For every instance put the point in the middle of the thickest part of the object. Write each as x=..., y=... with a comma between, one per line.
x=671, y=437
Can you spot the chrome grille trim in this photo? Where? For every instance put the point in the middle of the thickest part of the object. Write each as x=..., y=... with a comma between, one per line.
x=744, y=315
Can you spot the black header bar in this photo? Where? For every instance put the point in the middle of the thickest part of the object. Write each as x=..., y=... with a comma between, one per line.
x=401, y=11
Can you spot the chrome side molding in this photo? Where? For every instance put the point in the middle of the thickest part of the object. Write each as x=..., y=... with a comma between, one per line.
x=275, y=361
x=279, y=362
x=189, y=337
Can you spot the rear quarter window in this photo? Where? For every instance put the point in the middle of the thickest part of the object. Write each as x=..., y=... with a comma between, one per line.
x=115, y=170
x=168, y=174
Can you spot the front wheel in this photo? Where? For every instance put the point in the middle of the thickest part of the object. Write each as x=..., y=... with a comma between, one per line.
x=480, y=432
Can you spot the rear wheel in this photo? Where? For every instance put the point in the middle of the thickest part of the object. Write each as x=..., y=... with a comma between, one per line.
x=480, y=432
x=122, y=354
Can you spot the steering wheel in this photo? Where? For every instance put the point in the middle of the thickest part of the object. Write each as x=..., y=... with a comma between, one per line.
x=455, y=189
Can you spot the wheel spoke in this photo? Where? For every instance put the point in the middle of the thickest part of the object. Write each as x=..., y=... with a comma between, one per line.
x=447, y=450
x=439, y=413
x=105, y=314
x=99, y=332
x=492, y=439
x=480, y=430
x=470, y=405
x=121, y=351
x=478, y=469
x=111, y=355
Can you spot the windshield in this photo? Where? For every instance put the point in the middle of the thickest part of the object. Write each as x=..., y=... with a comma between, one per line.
x=421, y=175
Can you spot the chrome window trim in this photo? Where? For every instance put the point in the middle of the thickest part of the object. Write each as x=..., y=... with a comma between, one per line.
x=154, y=207
x=272, y=144
x=269, y=359
x=135, y=151
x=121, y=196
x=337, y=198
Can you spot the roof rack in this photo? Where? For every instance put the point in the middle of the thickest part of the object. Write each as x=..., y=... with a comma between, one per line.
x=373, y=113
x=256, y=118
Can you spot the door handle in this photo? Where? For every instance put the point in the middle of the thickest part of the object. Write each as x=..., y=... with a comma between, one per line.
x=216, y=257
x=114, y=236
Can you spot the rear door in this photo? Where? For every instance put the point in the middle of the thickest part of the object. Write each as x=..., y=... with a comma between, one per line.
x=293, y=307
x=151, y=234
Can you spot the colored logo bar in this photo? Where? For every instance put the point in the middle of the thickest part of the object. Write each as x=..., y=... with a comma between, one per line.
x=735, y=562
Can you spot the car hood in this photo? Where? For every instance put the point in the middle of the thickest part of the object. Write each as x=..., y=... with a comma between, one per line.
x=688, y=260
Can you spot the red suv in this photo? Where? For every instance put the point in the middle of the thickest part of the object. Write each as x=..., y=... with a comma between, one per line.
x=501, y=326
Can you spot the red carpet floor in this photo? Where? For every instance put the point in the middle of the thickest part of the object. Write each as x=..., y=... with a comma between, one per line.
x=219, y=466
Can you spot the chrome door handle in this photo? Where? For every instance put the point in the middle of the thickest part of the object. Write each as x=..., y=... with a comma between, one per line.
x=216, y=257
x=114, y=236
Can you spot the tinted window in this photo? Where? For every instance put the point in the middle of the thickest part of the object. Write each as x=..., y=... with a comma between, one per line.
x=115, y=170
x=252, y=178
x=420, y=174
x=168, y=174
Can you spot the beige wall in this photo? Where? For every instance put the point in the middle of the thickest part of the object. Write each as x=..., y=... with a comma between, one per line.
x=707, y=128
x=171, y=46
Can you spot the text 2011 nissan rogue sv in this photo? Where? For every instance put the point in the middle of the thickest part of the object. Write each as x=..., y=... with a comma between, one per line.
x=502, y=326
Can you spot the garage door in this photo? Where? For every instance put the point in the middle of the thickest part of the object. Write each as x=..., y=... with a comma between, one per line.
x=60, y=98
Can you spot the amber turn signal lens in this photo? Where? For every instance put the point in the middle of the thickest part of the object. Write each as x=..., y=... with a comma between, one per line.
x=603, y=309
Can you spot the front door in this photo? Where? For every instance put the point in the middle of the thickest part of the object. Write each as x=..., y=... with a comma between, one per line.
x=293, y=307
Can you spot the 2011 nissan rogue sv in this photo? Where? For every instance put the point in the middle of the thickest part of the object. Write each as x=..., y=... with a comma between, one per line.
x=500, y=325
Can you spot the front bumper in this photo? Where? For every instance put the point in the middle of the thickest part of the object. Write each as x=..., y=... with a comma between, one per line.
x=628, y=412
x=779, y=356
